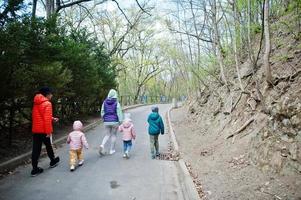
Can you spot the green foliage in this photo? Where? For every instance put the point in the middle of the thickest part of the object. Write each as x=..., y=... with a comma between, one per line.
x=256, y=28
x=9, y=10
x=38, y=52
x=295, y=5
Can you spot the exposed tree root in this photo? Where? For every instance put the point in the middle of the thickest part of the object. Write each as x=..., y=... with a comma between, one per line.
x=241, y=128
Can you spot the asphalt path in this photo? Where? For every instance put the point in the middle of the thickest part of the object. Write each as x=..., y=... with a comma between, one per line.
x=108, y=177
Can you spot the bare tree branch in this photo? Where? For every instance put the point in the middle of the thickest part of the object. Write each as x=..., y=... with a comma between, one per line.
x=90, y=16
x=59, y=6
x=142, y=8
x=122, y=38
x=193, y=35
x=122, y=12
x=44, y=4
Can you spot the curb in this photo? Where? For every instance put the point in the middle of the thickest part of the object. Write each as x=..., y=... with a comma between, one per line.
x=14, y=162
x=187, y=183
x=172, y=133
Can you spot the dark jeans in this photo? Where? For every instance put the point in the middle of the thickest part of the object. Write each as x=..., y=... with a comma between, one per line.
x=127, y=145
x=37, y=141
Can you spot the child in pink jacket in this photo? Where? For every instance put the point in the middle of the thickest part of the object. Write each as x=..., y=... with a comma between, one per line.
x=76, y=139
x=127, y=128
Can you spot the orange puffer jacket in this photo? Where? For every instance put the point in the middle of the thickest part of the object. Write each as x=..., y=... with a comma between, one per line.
x=41, y=115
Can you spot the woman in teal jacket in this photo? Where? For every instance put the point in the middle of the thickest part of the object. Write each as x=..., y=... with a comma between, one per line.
x=156, y=126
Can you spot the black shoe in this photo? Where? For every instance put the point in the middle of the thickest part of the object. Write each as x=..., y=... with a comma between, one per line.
x=54, y=162
x=36, y=171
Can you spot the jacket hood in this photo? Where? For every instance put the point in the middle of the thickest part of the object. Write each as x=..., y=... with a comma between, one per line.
x=155, y=109
x=39, y=99
x=112, y=94
x=77, y=126
x=154, y=116
x=127, y=123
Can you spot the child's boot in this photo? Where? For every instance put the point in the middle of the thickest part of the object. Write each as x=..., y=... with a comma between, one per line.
x=112, y=151
x=81, y=162
x=101, y=150
x=127, y=155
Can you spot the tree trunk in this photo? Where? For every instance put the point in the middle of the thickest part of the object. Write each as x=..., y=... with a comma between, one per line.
x=266, y=56
x=11, y=121
x=57, y=4
x=250, y=51
x=196, y=33
x=49, y=8
x=235, y=45
x=137, y=93
x=34, y=8
x=217, y=44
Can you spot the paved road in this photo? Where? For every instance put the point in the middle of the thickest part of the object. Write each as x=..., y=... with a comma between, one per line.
x=102, y=178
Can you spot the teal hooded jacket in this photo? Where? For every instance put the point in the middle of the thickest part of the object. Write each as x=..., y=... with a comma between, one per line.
x=156, y=125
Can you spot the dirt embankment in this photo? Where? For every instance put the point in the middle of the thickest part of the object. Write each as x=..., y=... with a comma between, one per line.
x=247, y=145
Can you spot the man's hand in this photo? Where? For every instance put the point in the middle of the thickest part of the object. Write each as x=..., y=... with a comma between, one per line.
x=55, y=119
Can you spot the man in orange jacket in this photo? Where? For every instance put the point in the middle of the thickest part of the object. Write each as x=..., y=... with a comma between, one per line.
x=42, y=129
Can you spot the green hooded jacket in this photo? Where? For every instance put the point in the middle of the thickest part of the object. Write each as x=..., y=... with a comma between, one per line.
x=156, y=125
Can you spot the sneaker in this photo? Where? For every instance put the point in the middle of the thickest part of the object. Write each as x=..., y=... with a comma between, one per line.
x=157, y=154
x=54, y=162
x=127, y=155
x=72, y=168
x=101, y=150
x=81, y=162
x=36, y=171
x=124, y=155
x=112, y=152
x=153, y=156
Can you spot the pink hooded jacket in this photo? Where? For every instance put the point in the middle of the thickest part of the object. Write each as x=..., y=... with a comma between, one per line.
x=127, y=128
x=76, y=139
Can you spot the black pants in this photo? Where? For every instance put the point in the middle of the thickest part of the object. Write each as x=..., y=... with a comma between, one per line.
x=37, y=141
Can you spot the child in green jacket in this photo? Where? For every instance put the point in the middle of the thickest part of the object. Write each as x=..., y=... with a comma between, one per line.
x=155, y=127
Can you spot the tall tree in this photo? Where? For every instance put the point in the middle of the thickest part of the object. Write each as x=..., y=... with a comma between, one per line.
x=217, y=42
x=34, y=8
x=266, y=56
x=236, y=27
